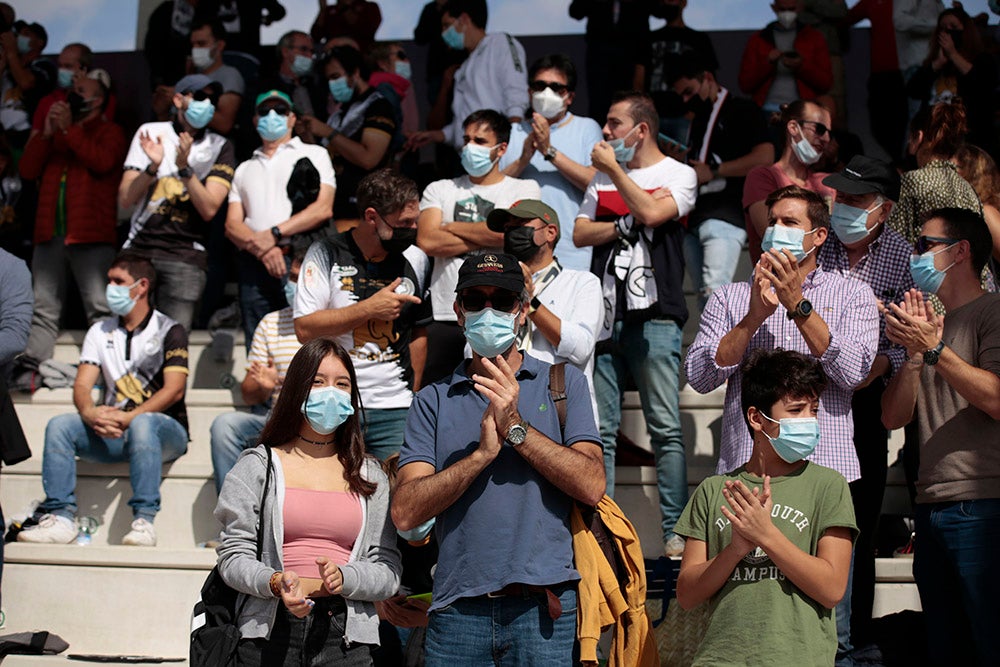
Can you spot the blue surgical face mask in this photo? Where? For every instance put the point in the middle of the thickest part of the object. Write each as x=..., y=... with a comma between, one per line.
x=623, y=154
x=476, y=159
x=490, y=331
x=926, y=276
x=404, y=69
x=850, y=223
x=326, y=408
x=418, y=534
x=302, y=65
x=119, y=300
x=453, y=38
x=340, y=90
x=290, y=293
x=272, y=126
x=199, y=113
x=23, y=44
x=780, y=237
x=797, y=438
x=65, y=77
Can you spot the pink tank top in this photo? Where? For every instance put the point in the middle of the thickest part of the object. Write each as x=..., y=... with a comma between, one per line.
x=319, y=523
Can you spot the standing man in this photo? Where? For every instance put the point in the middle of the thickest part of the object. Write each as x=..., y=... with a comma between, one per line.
x=630, y=215
x=25, y=78
x=263, y=220
x=485, y=454
x=552, y=147
x=452, y=223
x=367, y=287
x=952, y=380
x=295, y=75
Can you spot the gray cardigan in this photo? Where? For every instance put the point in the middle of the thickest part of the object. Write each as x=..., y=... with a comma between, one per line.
x=371, y=573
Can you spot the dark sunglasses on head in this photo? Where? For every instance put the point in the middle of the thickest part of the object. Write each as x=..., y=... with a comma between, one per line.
x=476, y=301
x=819, y=128
x=925, y=243
x=280, y=109
x=539, y=86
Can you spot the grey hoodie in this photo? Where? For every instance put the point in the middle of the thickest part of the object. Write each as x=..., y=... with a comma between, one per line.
x=371, y=573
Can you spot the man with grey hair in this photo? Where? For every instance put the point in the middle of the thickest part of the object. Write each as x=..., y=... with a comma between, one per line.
x=367, y=287
x=295, y=76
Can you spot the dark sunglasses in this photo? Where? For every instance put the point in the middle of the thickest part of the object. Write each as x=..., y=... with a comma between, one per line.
x=819, y=128
x=925, y=243
x=503, y=301
x=539, y=86
x=200, y=95
x=280, y=109
x=401, y=55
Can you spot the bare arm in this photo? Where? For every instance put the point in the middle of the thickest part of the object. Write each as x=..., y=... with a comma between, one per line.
x=650, y=211
x=225, y=113
x=311, y=216
x=576, y=173
x=86, y=377
x=822, y=577
x=207, y=197
x=436, y=239
x=700, y=577
x=587, y=232
x=366, y=153
x=174, y=386
x=384, y=305
x=237, y=230
x=134, y=186
x=979, y=387
x=577, y=470
x=900, y=396
x=477, y=234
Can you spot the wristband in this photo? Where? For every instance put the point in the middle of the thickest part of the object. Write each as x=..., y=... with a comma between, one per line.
x=275, y=584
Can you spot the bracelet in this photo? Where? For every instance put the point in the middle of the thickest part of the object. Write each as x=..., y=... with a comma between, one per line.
x=275, y=584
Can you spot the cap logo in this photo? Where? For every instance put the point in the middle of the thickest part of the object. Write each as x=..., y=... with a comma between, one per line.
x=490, y=258
x=852, y=173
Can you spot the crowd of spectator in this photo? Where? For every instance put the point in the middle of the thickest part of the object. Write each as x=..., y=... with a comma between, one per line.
x=476, y=332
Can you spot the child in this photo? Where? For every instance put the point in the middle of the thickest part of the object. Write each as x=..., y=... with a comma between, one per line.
x=769, y=544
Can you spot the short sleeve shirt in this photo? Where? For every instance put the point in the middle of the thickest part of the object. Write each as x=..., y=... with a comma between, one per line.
x=759, y=617
x=274, y=338
x=511, y=525
x=133, y=363
x=229, y=78
x=765, y=179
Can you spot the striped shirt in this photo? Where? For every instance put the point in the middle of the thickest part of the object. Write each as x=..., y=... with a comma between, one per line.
x=885, y=268
x=848, y=308
x=275, y=338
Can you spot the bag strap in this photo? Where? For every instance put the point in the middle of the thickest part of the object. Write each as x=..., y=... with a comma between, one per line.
x=557, y=390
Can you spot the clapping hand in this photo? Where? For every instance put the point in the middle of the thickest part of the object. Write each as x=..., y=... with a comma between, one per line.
x=749, y=511
x=291, y=595
x=502, y=390
x=782, y=269
x=153, y=148
x=913, y=324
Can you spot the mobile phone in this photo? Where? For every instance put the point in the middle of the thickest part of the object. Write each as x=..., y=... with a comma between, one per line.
x=672, y=142
x=423, y=597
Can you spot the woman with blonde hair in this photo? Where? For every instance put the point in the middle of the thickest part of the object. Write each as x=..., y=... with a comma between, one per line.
x=977, y=167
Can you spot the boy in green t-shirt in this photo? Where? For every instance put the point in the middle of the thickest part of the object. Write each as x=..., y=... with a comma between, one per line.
x=769, y=544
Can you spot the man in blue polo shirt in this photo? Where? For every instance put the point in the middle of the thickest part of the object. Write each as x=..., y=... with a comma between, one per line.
x=484, y=453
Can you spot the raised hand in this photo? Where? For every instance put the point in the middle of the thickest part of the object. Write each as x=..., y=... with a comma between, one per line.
x=329, y=572
x=763, y=299
x=749, y=513
x=502, y=390
x=489, y=439
x=782, y=269
x=184, y=144
x=265, y=375
x=153, y=148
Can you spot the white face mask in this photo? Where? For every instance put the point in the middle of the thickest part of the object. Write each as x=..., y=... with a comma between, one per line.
x=548, y=103
x=787, y=19
x=805, y=151
x=201, y=57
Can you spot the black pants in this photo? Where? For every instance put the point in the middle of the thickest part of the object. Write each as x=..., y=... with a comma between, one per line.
x=316, y=640
x=887, y=111
x=871, y=441
x=445, y=351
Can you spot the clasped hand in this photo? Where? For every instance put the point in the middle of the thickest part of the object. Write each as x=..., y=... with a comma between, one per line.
x=501, y=388
x=749, y=512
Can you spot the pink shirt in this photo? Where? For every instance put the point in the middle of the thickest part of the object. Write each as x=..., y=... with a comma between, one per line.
x=319, y=523
x=761, y=182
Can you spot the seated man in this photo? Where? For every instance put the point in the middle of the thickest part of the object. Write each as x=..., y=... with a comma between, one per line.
x=274, y=344
x=781, y=550
x=142, y=357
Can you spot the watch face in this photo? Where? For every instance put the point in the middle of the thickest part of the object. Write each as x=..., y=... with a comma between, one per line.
x=805, y=307
x=516, y=434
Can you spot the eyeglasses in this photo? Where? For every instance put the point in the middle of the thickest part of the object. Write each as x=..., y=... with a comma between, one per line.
x=539, y=85
x=925, y=243
x=501, y=300
x=819, y=128
x=280, y=109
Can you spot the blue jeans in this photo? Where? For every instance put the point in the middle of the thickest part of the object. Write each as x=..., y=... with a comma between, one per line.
x=151, y=440
x=651, y=353
x=711, y=253
x=178, y=289
x=955, y=559
x=842, y=613
x=260, y=292
x=512, y=630
x=230, y=434
x=383, y=431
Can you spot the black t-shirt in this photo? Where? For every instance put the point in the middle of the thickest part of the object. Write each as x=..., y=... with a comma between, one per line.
x=368, y=111
x=739, y=127
x=663, y=48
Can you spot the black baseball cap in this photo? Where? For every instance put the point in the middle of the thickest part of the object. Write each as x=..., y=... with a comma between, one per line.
x=864, y=175
x=493, y=270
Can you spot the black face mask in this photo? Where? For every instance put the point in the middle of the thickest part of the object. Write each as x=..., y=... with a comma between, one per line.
x=402, y=238
x=699, y=107
x=520, y=242
x=78, y=107
x=668, y=12
x=956, y=37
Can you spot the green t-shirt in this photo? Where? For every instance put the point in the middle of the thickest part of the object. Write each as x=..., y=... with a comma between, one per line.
x=759, y=617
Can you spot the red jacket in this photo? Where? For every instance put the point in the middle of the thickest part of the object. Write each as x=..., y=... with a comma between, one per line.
x=812, y=79
x=91, y=155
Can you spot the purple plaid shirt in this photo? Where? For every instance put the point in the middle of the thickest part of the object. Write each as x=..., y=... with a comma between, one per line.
x=848, y=308
x=885, y=268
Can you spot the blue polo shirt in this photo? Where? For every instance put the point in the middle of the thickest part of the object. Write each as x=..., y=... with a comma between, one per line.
x=511, y=525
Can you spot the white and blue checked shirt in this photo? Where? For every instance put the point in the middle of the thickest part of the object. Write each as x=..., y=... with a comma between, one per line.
x=848, y=308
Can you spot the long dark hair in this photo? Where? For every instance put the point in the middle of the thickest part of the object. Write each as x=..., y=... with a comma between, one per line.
x=286, y=416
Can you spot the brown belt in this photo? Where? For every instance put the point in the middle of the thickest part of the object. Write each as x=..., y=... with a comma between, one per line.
x=530, y=590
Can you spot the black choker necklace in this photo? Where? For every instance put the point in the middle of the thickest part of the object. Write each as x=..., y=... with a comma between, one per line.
x=318, y=443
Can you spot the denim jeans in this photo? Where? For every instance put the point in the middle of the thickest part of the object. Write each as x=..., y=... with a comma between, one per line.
x=383, y=431
x=179, y=288
x=89, y=263
x=512, y=630
x=231, y=433
x=842, y=613
x=651, y=353
x=955, y=559
x=711, y=253
x=151, y=440
x=260, y=292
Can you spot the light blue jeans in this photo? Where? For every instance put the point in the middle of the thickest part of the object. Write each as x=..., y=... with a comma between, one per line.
x=651, y=353
x=151, y=440
x=230, y=434
x=842, y=612
x=383, y=431
x=711, y=253
x=511, y=630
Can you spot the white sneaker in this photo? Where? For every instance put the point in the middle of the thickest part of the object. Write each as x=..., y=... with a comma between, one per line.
x=141, y=535
x=674, y=547
x=51, y=529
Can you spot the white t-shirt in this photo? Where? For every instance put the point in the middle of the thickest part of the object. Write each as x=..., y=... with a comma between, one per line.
x=459, y=200
x=494, y=76
x=575, y=136
x=274, y=338
x=261, y=183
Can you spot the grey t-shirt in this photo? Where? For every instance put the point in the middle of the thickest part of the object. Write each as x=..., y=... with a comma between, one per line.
x=959, y=452
x=230, y=78
x=784, y=89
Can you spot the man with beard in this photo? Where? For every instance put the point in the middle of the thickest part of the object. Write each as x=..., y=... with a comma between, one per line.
x=367, y=288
